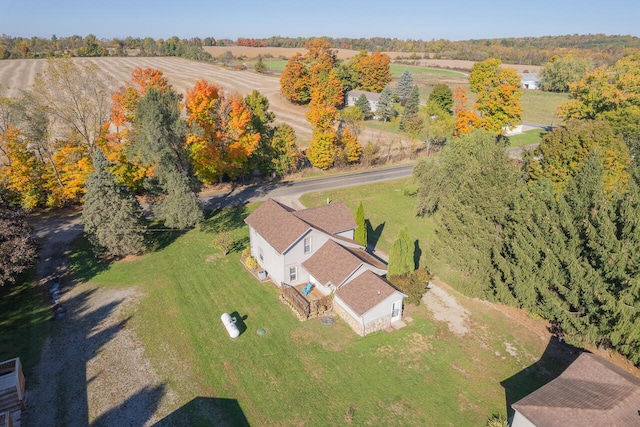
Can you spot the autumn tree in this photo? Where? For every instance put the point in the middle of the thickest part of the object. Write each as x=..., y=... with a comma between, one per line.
x=560, y=71
x=112, y=216
x=350, y=147
x=76, y=95
x=294, y=80
x=18, y=250
x=466, y=118
x=285, y=152
x=21, y=171
x=498, y=93
x=221, y=139
x=564, y=151
x=372, y=71
x=326, y=96
x=611, y=94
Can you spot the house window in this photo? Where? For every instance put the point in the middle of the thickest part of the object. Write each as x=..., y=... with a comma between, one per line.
x=307, y=245
x=260, y=254
x=293, y=273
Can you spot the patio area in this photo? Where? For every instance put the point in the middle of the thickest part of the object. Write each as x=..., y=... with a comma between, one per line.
x=306, y=306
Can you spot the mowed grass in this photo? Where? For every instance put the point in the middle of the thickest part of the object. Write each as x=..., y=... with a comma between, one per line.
x=533, y=136
x=540, y=107
x=302, y=373
x=25, y=316
x=398, y=69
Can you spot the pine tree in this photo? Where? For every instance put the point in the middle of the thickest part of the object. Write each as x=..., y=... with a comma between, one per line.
x=363, y=104
x=401, y=257
x=360, y=235
x=159, y=135
x=405, y=85
x=411, y=122
x=112, y=216
x=385, y=109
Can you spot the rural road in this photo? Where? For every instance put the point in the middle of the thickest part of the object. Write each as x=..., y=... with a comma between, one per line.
x=289, y=192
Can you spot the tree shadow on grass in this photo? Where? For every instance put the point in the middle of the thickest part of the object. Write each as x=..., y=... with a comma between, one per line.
x=417, y=254
x=206, y=411
x=373, y=235
x=159, y=237
x=239, y=244
x=228, y=218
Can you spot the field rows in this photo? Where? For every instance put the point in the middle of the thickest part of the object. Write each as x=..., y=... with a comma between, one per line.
x=17, y=75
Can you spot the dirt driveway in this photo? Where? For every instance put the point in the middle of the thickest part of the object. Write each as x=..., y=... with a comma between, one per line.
x=92, y=369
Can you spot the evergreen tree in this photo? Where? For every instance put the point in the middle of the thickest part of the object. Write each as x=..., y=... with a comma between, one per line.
x=159, y=142
x=411, y=122
x=405, y=86
x=401, y=257
x=363, y=104
x=112, y=217
x=385, y=109
x=360, y=235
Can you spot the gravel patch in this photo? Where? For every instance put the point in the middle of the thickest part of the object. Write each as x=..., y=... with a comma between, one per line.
x=445, y=308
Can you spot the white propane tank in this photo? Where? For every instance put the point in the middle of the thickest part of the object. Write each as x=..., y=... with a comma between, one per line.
x=230, y=324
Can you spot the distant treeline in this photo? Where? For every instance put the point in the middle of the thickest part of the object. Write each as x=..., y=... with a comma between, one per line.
x=36, y=47
x=600, y=48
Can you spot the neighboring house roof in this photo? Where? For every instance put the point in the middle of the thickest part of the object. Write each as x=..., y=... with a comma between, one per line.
x=281, y=226
x=371, y=96
x=276, y=224
x=332, y=218
x=365, y=292
x=529, y=77
x=590, y=392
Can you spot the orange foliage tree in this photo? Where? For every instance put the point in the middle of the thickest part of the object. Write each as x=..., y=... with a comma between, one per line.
x=466, y=118
x=326, y=96
x=304, y=71
x=223, y=140
x=373, y=72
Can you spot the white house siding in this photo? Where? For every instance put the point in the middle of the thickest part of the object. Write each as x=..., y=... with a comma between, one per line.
x=520, y=420
x=348, y=234
x=383, y=309
x=271, y=260
x=295, y=255
x=376, y=319
x=326, y=290
x=348, y=315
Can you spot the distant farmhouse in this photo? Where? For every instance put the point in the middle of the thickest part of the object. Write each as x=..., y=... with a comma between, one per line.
x=310, y=254
x=530, y=81
x=590, y=392
x=352, y=96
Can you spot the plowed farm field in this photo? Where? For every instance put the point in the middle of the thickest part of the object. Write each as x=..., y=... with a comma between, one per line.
x=16, y=75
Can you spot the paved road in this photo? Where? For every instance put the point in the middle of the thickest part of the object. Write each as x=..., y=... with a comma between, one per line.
x=288, y=191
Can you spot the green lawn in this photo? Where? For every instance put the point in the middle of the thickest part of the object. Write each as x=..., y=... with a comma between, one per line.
x=304, y=373
x=398, y=69
x=25, y=318
x=533, y=136
x=540, y=107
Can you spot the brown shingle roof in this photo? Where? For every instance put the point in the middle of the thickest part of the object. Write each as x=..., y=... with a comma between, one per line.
x=332, y=218
x=332, y=263
x=365, y=292
x=590, y=392
x=276, y=224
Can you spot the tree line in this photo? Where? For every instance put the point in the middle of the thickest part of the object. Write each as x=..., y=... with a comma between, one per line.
x=600, y=48
x=556, y=234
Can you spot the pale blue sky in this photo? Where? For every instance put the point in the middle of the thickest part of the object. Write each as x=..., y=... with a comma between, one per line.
x=402, y=19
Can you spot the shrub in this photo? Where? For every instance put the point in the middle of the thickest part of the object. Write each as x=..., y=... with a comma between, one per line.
x=251, y=263
x=224, y=241
x=413, y=284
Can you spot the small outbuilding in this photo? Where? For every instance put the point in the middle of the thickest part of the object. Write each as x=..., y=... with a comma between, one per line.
x=12, y=388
